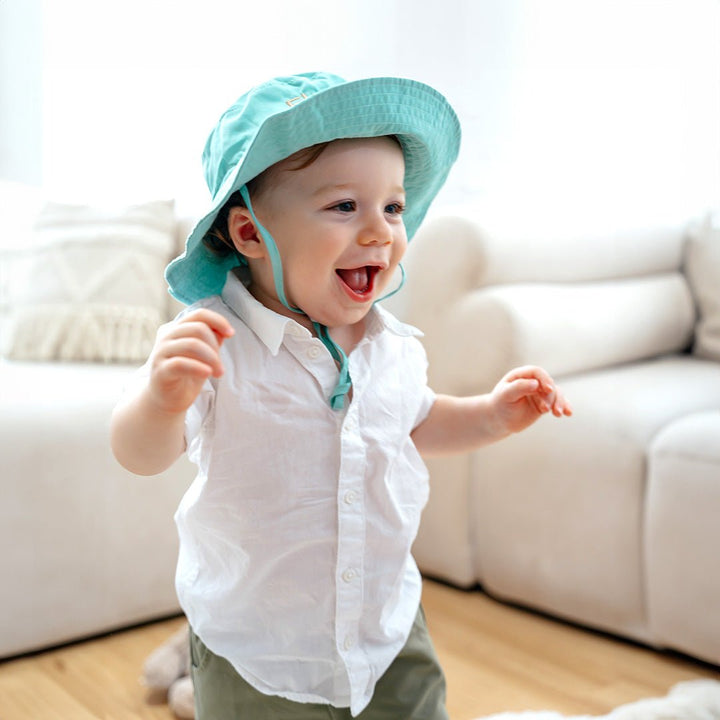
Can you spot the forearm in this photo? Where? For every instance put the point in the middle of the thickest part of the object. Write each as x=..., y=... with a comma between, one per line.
x=462, y=424
x=457, y=424
x=145, y=439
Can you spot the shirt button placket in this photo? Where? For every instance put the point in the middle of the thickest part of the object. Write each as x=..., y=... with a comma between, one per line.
x=351, y=534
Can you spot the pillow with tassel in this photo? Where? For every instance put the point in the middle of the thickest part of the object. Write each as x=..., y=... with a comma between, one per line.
x=89, y=286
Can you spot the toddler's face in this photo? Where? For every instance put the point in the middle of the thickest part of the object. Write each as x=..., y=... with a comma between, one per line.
x=339, y=229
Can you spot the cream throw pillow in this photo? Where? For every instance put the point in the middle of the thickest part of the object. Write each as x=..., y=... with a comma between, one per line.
x=702, y=266
x=89, y=286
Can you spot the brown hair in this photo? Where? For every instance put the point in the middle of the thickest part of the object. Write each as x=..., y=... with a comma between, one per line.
x=217, y=239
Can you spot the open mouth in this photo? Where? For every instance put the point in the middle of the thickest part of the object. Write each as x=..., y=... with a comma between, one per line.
x=359, y=281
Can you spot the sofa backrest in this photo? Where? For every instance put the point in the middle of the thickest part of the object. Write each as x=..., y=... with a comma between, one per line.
x=490, y=301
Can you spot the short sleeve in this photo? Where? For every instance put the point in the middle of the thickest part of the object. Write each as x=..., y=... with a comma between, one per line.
x=426, y=403
x=196, y=416
x=417, y=367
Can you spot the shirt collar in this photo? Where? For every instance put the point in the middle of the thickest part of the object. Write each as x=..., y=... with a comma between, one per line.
x=379, y=319
x=271, y=327
x=268, y=325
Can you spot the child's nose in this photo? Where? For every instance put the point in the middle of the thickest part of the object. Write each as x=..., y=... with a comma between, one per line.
x=375, y=232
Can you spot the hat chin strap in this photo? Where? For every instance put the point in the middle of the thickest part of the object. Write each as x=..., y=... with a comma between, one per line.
x=344, y=383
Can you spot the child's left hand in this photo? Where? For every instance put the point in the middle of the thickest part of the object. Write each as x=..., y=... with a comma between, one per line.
x=523, y=395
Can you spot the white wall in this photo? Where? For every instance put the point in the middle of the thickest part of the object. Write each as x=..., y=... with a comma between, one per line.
x=602, y=110
x=21, y=70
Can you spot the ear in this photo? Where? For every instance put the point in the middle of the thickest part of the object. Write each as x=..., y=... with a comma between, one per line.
x=244, y=234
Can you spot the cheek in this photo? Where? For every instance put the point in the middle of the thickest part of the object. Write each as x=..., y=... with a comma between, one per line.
x=308, y=268
x=399, y=249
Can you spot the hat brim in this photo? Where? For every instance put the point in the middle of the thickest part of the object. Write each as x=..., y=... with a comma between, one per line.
x=420, y=117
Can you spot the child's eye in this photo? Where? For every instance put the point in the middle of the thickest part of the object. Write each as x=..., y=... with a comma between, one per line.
x=346, y=206
x=395, y=209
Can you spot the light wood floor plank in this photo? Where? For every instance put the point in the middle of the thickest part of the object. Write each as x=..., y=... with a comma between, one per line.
x=95, y=680
x=499, y=658
x=496, y=657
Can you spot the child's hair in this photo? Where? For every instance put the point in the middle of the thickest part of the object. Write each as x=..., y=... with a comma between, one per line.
x=217, y=238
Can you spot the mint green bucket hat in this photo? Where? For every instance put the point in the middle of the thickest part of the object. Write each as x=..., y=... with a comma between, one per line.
x=287, y=114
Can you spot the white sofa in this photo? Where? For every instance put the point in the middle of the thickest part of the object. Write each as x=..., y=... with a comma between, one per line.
x=610, y=518
x=87, y=546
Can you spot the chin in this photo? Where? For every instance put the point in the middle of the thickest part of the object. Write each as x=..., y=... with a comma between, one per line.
x=346, y=319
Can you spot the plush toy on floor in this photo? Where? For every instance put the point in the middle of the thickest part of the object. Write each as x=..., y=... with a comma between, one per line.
x=166, y=675
x=689, y=700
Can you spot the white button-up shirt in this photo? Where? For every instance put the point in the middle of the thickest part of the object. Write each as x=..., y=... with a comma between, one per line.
x=295, y=536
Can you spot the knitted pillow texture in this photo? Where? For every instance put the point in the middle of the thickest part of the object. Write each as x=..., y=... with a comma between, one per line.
x=89, y=285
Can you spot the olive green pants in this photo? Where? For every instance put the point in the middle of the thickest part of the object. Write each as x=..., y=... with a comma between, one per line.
x=412, y=688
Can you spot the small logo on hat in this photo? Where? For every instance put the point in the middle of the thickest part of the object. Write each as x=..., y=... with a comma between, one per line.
x=294, y=100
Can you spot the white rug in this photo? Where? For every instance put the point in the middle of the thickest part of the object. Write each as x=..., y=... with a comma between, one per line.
x=693, y=700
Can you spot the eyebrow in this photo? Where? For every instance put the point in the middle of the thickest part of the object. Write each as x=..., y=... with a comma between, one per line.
x=349, y=186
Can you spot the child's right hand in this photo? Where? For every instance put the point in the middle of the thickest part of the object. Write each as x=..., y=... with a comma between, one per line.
x=186, y=354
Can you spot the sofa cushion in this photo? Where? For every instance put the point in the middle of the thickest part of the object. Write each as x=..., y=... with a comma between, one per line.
x=89, y=284
x=89, y=546
x=702, y=262
x=682, y=534
x=557, y=511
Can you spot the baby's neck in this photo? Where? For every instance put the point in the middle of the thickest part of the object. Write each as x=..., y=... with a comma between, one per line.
x=348, y=336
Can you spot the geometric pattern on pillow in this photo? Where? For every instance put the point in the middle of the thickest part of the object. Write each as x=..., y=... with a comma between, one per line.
x=90, y=286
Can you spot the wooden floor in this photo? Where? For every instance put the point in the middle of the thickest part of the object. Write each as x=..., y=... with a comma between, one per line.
x=496, y=658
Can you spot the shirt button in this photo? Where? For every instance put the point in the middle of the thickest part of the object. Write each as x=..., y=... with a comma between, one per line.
x=349, y=575
x=348, y=643
x=313, y=352
x=350, y=497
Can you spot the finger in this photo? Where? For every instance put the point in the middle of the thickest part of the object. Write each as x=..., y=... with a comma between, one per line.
x=558, y=403
x=219, y=324
x=193, y=348
x=520, y=388
x=184, y=333
x=533, y=371
x=562, y=408
x=191, y=329
x=184, y=367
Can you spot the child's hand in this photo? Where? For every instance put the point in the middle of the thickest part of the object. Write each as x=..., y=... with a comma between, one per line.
x=523, y=395
x=186, y=354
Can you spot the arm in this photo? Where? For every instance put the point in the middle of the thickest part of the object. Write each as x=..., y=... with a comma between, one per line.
x=147, y=431
x=457, y=424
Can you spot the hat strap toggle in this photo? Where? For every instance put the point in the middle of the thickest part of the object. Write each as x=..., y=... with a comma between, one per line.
x=344, y=383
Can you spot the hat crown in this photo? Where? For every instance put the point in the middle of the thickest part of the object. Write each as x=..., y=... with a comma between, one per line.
x=232, y=137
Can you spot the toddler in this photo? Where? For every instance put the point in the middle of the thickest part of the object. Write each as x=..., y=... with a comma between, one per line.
x=305, y=405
